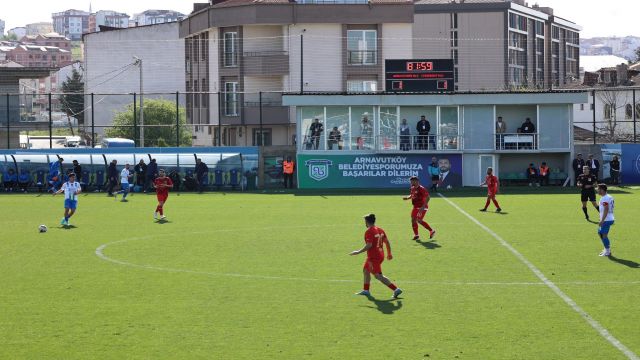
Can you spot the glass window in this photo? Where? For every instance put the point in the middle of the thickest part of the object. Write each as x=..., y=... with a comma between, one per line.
x=362, y=46
x=448, y=128
x=230, y=49
x=312, y=135
x=628, y=111
x=362, y=128
x=230, y=98
x=389, y=123
x=362, y=86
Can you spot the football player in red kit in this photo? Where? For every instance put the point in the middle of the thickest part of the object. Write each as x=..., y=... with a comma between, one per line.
x=420, y=199
x=492, y=189
x=374, y=239
x=162, y=184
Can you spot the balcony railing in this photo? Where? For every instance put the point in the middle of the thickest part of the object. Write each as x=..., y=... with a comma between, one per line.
x=269, y=62
x=383, y=143
x=517, y=141
x=363, y=57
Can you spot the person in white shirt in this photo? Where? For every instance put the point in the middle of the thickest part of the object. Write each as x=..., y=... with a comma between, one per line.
x=71, y=189
x=125, y=176
x=607, y=205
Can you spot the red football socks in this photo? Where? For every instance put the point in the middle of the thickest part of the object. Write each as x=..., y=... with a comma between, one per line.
x=424, y=223
x=159, y=209
x=415, y=228
x=486, y=205
x=392, y=286
x=366, y=286
x=495, y=202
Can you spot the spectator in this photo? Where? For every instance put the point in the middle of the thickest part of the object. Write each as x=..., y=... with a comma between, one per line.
x=614, y=170
x=544, y=174
x=335, y=138
x=77, y=169
x=405, y=136
x=316, y=130
x=528, y=127
x=594, y=166
x=10, y=180
x=434, y=172
x=501, y=128
x=288, y=168
x=423, y=127
x=24, y=180
x=112, y=177
x=201, y=171
x=532, y=175
x=366, y=131
x=578, y=164
x=152, y=173
x=141, y=174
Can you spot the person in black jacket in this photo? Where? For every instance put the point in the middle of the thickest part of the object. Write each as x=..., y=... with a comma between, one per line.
x=578, y=164
x=112, y=177
x=201, y=171
x=528, y=127
x=587, y=183
x=152, y=172
x=594, y=166
x=423, y=128
x=77, y=169
x=141, y=174
x=614, y=170
x=316, y=130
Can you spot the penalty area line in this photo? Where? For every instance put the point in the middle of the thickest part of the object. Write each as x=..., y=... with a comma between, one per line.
x=550, y=284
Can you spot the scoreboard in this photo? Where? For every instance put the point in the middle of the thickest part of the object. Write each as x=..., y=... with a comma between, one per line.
x=419, y=75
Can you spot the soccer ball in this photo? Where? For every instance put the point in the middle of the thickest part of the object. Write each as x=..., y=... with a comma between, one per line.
x=42, y=228
x=449, y=187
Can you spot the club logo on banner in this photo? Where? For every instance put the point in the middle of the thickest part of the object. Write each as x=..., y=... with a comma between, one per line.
x=318, y=169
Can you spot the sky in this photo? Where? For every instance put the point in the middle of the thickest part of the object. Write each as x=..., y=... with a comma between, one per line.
x=597, y=17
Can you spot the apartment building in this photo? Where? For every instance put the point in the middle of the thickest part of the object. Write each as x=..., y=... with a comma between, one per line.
x=37, y=56
x=151, y=17
x=240, y=48
x=50, y=39
x=39, y=28
x=71, y=23
x=111, y=19
x=498, y=44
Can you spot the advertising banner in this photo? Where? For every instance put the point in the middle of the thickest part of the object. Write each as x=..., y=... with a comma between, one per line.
x=375, y=171
x=630, y=164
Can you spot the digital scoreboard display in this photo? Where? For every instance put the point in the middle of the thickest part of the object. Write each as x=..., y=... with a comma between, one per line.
x=435, y=75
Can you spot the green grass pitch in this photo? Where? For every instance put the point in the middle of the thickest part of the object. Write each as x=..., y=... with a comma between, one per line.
x=267, y=276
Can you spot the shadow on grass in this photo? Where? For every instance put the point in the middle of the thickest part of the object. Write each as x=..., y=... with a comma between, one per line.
x=162, y=221
x=387, y=307
x=67, y=227
x=629, y=263
x=429, y=245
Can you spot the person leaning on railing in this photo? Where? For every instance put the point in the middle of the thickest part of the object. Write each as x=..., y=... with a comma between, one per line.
x=335, y=137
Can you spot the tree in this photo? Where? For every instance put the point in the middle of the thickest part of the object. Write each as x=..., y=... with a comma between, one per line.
x=613, y=129
x=72, y=98
x=159, y=120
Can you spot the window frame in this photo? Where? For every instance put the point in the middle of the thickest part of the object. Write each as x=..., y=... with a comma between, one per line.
x=362, y=39
x=231, y=97
x=230, y=58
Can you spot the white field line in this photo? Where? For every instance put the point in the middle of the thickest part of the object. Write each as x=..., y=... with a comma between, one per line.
x=594, y=323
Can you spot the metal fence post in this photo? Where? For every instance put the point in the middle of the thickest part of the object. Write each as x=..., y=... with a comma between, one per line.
x=8, y=123
x=219, y=118
x=635, y=117
x=50, y=124
x=177, y=119
x=135, y=116
x=261, y=134
x=301, y=63
x=93, y=124
x=593, y=94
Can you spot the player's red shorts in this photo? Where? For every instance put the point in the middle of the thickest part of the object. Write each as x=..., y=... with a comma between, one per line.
x=373, y=265
x=492, y=192
x=162, y=197
x=416, y=213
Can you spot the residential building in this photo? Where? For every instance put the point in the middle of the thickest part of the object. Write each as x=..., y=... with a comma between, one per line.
x=250, y=52
x=109, y=68
x=111, y=18
x=71, y=23
x=151, y=17
x=37, y=56
x=39, y=28
x=50, y=39
x=541, y=50
x=19, y=32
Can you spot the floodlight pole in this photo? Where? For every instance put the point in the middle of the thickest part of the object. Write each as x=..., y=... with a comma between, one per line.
x=138, y=63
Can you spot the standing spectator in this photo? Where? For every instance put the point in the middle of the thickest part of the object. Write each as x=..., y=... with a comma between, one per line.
x=366, y=131
x=141, y=174
x=423, y=127
x=288, y=167
x=501, y=129
x=201, y=171
x=77, y=169
x=544, y=174
x=316, y=130
x=532, y=175
x=578, y=164
x=112, y=177
x=594, y=166
x=614, y=170
x=10, y=180
x=335, y=137
x=152, y=172
x=405, y=136
x=434, y=171
x=528, y=127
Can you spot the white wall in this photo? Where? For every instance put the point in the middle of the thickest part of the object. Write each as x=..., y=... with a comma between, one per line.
x=430, y=36
x=583, y=115
x=481, y=51
x=262, y=38
x=107, y=54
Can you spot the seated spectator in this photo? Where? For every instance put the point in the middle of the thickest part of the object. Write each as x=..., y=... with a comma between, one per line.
x=528, y=127
x=335, y=138
x=544, y=174
x=532, y=175
x=24, y=180
x=10, y=180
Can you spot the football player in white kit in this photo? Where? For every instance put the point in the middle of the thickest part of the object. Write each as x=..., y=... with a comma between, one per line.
x=606, y=206
x=125, y=176
x=71, y=189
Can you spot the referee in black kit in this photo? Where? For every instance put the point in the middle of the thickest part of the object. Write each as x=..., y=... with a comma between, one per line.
x=587, y=182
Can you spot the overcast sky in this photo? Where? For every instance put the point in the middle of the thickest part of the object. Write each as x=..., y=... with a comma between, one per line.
x=599, y=18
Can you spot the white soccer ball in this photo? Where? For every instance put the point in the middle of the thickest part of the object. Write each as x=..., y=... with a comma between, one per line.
x=449, y=187
x=42, y=228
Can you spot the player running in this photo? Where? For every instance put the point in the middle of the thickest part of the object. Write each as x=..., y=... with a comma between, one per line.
x=71, y=190
x=162, y=184
x=606, y=218
x=420, y=199
x=492, y=189
x=587, y=182
x=125, y=176
x=374, y=239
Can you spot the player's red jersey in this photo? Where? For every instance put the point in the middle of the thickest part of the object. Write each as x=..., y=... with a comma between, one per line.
x=162, y=190
x=374, y=236
x=419, y=196
x=492, y=183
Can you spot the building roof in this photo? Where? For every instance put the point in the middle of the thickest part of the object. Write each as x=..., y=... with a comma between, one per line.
x=428, y=2
x=597, y=62
x=232, y=3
